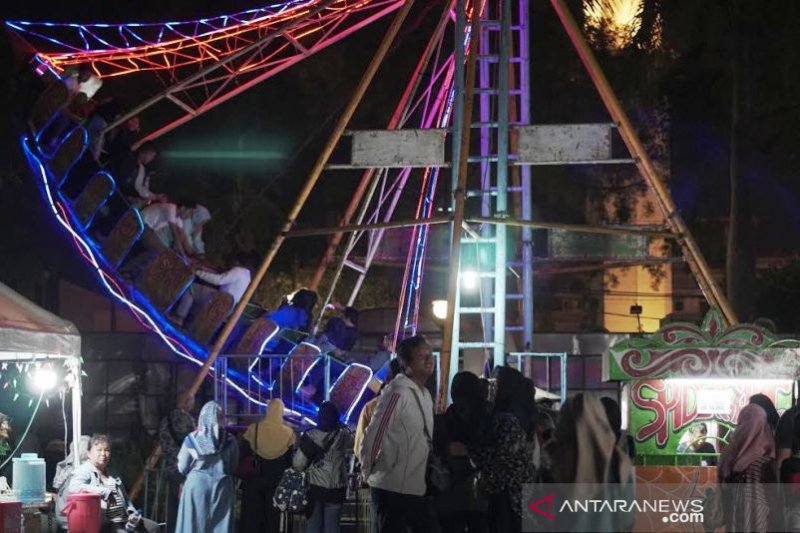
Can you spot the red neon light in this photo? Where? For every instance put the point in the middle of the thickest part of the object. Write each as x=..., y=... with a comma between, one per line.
x=213, y=46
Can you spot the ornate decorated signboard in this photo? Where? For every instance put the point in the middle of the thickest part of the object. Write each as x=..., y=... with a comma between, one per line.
x=662, y=412
x=683, y=350
x=688, y=382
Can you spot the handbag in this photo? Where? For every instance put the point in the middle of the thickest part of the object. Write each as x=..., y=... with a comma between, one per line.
x=437, y=474
x=249, y=466
x=291, y=495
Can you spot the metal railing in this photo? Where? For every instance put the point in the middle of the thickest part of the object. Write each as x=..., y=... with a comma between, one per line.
x=302, y=379
x=678, y=459
x=518, y=359
x=159, y=497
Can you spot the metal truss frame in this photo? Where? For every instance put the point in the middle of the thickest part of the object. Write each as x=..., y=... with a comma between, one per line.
x=206, y=63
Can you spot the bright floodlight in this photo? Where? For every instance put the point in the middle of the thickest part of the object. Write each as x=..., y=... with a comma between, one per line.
x=469, y=280
x=440, y=309
x=44, y=379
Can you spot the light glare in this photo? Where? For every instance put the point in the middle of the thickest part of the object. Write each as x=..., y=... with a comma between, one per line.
x=44, y=379
x=469, y=280
x=440, y=309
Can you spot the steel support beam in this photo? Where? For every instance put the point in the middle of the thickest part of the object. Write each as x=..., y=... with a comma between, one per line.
x=459, y=195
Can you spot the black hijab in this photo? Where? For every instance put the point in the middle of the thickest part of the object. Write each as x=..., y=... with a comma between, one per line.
x=765, y=403
x=328, y=417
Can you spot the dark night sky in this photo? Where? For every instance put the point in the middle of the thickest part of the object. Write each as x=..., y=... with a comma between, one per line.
x=281, y=112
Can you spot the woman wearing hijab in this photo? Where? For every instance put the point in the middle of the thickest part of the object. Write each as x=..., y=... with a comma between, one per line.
x=763, y=401
x=208, y=459
x=461, y=507
x=614, y=416
x=321, y=453
x=585, y=451
x=748, y=477
x=271, y=441
x=504, y=454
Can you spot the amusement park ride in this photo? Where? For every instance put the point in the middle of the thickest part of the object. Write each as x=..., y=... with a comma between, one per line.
x=469, y=100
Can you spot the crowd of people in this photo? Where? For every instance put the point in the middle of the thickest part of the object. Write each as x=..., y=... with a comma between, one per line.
x=491, y=440
x=209, y=459
x=460, y=470
x=494, y=438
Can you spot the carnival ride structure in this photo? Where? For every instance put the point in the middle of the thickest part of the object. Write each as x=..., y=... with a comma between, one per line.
x=480, y=85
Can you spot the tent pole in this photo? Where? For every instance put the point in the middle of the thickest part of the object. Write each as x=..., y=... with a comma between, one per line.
x=77, y=393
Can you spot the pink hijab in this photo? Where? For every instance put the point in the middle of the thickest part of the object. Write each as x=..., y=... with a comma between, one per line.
x=751, y=440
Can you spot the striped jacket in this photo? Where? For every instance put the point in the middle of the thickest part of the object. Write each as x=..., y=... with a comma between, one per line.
x=394, y=452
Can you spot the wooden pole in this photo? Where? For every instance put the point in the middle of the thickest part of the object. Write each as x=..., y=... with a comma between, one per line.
x=403, y=223
x=458, y=213
x=514, y=222
x=577, y=228
x=694, y=257
x=313, y=177
x=312, y=180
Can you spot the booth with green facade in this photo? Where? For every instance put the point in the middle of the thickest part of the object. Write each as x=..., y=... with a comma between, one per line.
x=685, y=385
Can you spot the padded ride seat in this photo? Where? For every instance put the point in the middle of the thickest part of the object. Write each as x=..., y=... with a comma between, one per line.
x=210, y=317
x=52, y=100
x=69, y=151
x=257, y=335
x=349, y=387
x=164, y=279
x=295, y=370
x=123, y=236
x=92, y=198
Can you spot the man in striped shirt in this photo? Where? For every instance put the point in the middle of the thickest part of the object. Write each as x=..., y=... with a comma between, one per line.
x=394, y=453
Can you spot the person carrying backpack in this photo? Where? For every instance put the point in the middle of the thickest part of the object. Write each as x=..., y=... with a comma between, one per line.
x=322, y=455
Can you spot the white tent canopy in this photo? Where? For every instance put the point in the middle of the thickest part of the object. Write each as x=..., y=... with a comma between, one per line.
x=26, y=328
x=30, y=333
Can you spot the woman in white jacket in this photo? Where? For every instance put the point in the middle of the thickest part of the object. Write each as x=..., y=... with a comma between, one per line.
x=394, y=453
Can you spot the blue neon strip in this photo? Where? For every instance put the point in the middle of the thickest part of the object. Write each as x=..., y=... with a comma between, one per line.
x=184, y=29
x=141, y=313
x=413, y=289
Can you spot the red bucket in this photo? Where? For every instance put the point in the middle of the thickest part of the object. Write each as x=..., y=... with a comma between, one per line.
x=83, y=513
x=10, y=516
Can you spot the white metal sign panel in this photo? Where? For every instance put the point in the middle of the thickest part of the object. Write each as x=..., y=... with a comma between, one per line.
x=398, y=148
x=714, y=401
x=566, y=143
